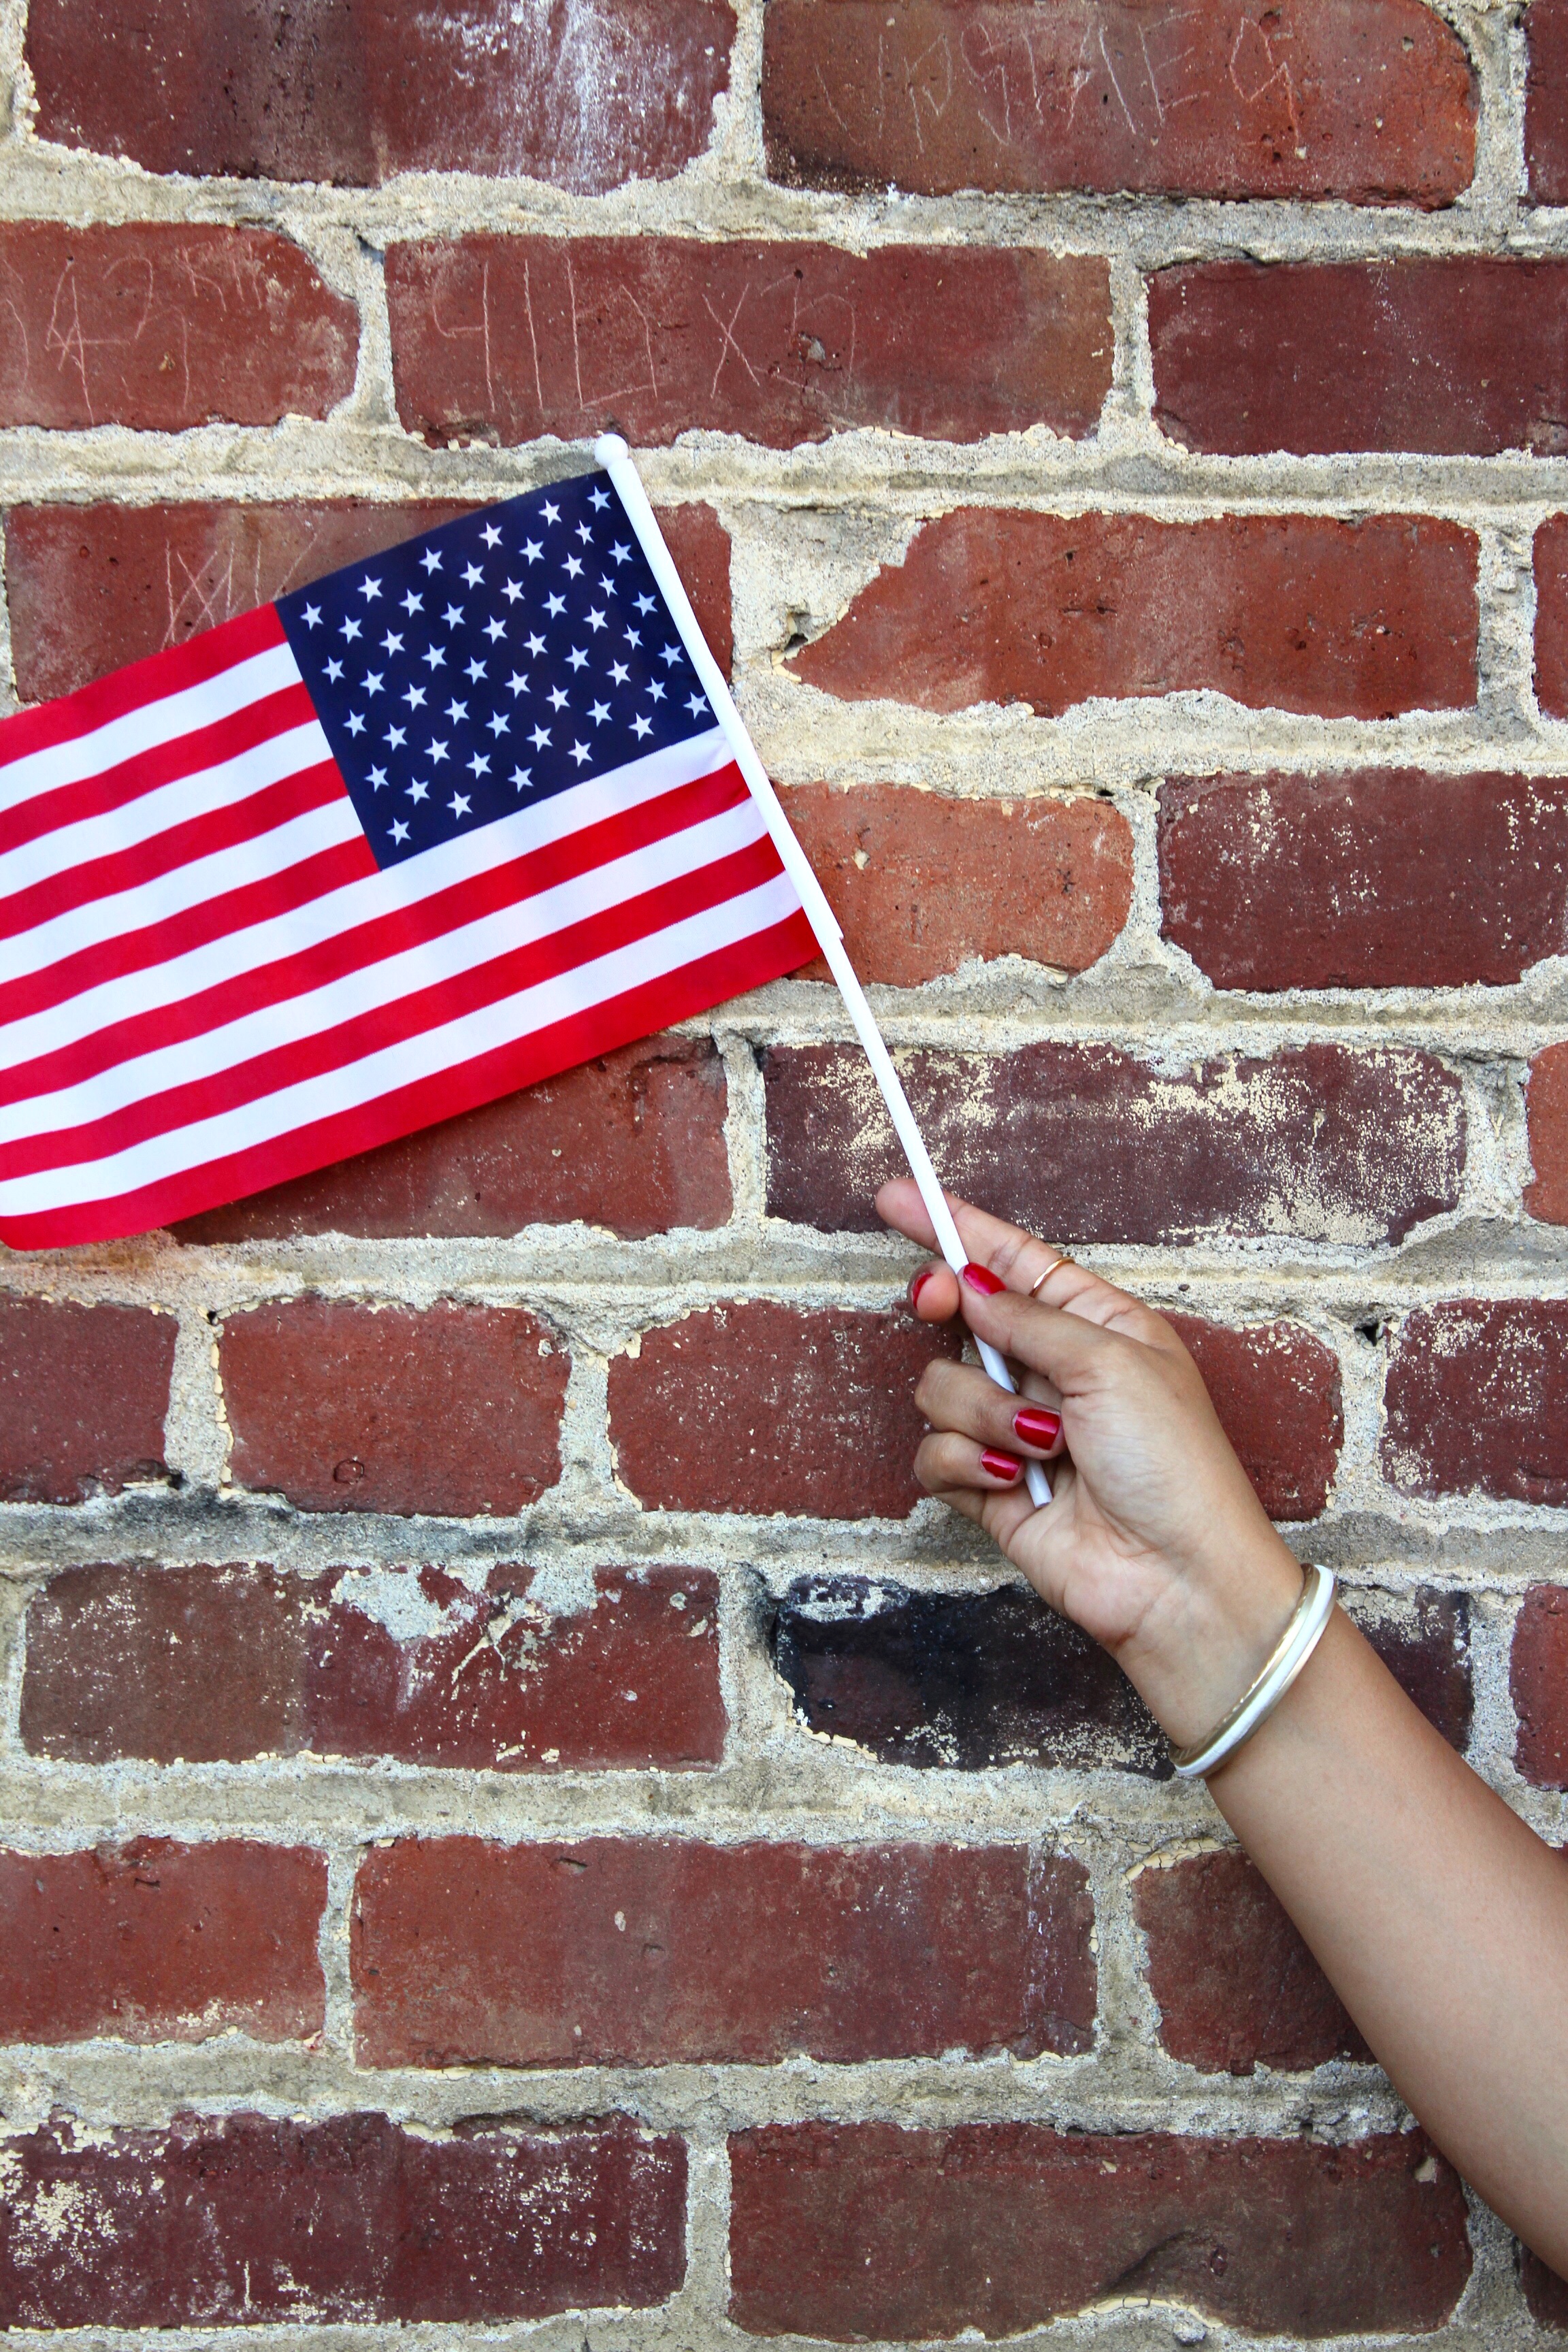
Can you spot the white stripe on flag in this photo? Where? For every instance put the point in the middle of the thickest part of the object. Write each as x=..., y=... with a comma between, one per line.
x=68, y=847
x=409, y=1060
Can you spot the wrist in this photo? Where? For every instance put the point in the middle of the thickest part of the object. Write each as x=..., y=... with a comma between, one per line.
x=1207, y=1635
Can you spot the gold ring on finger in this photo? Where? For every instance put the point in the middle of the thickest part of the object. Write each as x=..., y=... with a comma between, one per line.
x=1041, y=1279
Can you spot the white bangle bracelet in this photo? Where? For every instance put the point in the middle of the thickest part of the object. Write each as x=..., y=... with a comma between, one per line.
x=1290, y=1653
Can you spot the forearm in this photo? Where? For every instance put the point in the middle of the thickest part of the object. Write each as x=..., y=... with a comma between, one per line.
x=1439, y=1916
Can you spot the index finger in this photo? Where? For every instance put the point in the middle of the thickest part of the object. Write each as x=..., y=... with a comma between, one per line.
x=1019, y=1259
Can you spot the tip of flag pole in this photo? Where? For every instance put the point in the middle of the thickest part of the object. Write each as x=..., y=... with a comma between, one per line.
x=609, y=446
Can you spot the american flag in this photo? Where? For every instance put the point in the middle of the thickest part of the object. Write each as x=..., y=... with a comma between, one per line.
x=442, y=824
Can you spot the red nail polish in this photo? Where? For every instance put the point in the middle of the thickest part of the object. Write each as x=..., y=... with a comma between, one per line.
x=919, y=1284
x=1035, y=1426
x=981, y=1278
x=1001, y=1465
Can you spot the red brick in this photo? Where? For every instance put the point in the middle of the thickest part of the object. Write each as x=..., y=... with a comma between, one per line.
x=90, y=588
x=1544, y=2291
x=1315, y=97
x=1087, y=1143
x=345, y=1407
x=158, y=1942
x=1277, y=1392
x=922, y=883
x=216, y=1664
x=1384, y=878
x=845, y=2230
x=1538, y=1679
x=782, y=342
x=759, y=1408
x=224, y=2222
x=1546, y=1110
x=586, y=98
x=1551, y=616
x=1546, y=111
x=163, y=326
x=1292, y=612
x=1462, y=354
x=634, y=1142
x=1477, y=1400
x=83, y=1392
x=1236, y=1986
x=633, y=1952
x=969, y=1680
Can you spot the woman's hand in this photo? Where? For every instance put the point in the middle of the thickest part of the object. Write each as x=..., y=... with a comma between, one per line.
x=1154, y=1541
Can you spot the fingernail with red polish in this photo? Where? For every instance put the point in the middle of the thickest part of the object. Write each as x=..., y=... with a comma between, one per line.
x=1001, y=1465
x=981, y=1278
x=1035, y=1426
x=919, y=1284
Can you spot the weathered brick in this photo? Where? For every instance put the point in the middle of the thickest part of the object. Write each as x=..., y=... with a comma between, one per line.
x=243, y=2220
x=1546, y=1112
x=1544, y=2291
x=921, y=883
x=1287, y=612
x=1236, y=1987
x=1315, y=97
x=1538, y=1679
x=216, y=1664
x=1088, y=1143
x=345, y=1407
x=89, y=588
x=975, y=1679
x=507, y=338
x=1546, y=109
x=639, y=1952
x=83, y=1392
x=1477, y=1400
x=1384, y=878
x=153, y=1941
x=633, y=1141
x=163, y=327
x=1423, y=1639
x=756, y=1407
x=847, y=2231
x=584, y=98
x=1550, y=566
x=1277, y=1392
x=1462, y=354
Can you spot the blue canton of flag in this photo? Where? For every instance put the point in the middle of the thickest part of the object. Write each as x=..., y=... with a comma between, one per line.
x=491, y=663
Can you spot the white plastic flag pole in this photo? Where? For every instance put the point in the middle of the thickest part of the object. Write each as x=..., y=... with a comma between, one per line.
x=615, y=458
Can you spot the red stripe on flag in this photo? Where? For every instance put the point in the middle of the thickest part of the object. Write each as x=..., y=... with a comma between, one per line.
x=149, y=681
x=525, y=1062
x=591, y=847
x=165, y=764
x=154, y=943
x=384, y=1025
x=199, y=836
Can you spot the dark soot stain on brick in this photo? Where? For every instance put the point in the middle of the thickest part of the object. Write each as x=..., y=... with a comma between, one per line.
x=971, y=1679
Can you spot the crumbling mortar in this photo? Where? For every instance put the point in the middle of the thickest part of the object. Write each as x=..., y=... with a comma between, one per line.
x=104, y=2085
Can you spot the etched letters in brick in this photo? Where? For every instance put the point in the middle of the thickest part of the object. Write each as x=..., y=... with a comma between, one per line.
x=504, y=339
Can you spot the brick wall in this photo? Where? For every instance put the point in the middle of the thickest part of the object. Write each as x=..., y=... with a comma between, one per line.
x=513, y=1811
